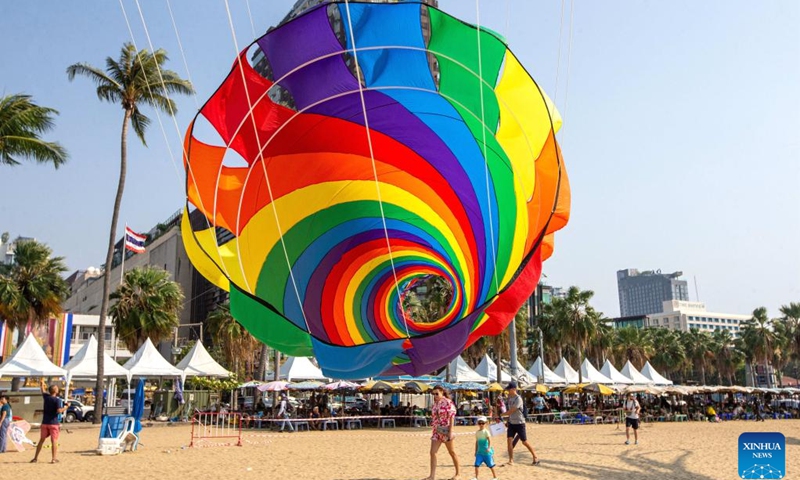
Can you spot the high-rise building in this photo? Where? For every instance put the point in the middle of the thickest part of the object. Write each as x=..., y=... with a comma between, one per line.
x=644, y=293
x=685, y=316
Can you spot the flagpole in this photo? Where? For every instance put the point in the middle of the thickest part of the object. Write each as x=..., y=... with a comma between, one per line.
x=121, y=281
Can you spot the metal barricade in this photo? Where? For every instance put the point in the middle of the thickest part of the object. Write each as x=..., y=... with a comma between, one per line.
x=214, y=426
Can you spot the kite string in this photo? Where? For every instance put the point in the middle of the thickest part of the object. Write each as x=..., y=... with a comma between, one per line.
x=266, y=178
x=483, y=150
x=183, y=54
x=569, y=64
x=158, y=114
x=374, y=167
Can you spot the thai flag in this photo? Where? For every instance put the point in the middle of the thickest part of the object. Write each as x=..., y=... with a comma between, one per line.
x=134, y=241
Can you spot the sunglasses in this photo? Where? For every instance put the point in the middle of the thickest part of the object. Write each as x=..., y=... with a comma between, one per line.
x=481, y=423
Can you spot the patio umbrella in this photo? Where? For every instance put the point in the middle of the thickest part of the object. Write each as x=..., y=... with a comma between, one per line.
x=416, y=386
x=307, y=385
x=598, y=388
x=536, y=387
x=250, y=384
x=470, y=386
x=379, y=386
x=138, y=406
x=651, y=389
x=342, y=385
x=276, y=386
x=495, y=387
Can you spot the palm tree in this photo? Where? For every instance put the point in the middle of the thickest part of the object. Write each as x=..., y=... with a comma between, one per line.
x=31, y=289
x=235, y=342
x=791, y=315
x=726, y=357
x=147, y=306
x=554, y=332
x=578, y=318
x=669, y=354
x=759, y=339
x=634, y=345
x=135, y=79
x=21, y=124
x=699, y=349
x=602, y=343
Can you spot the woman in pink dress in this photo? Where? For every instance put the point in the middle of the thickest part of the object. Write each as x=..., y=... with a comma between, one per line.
x=443, y=416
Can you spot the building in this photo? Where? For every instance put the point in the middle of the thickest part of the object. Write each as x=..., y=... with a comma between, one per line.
x=644, y=293
x=684, y=316
x=635, y=321
x=7, y=248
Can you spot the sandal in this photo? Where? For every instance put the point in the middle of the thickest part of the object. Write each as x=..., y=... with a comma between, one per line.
x=536, y=461
x=55, y=460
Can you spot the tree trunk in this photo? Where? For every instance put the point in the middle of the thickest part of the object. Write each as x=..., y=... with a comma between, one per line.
x=703, y=374
x=262, y=362
x=101, y=336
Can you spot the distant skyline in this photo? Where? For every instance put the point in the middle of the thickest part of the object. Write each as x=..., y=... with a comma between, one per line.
x=680, y=135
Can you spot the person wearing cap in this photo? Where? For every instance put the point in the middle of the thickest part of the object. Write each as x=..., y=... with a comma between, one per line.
x=632, y=409
x=484, y=453
x=516, y=424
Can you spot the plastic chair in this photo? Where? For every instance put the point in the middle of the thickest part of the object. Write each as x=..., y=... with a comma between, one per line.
x=116, y=434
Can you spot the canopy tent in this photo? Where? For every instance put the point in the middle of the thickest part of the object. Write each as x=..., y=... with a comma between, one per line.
x=84, y=364
x=609, y=371
x=630, y=371
x=29, y=360
x=198, y=363
x=549, y=376
x=460, y=372
x=300, y=368
x=147, y=362
x=488, y=369
x=589, y=374
x=522, y=376
x=655, y=377
x=565, y=371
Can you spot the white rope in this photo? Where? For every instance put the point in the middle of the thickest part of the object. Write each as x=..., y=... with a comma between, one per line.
x=374, y=168
x=569, y=63
x=183, y=54
x=483, y=150
x=266, y=178
x=172, y=113
x=250, y=14
x=558, y=60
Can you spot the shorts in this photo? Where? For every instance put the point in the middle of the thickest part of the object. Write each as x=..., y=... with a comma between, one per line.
x=50, y=431
x=486, y=458
x=632, y=423
x=517, y=430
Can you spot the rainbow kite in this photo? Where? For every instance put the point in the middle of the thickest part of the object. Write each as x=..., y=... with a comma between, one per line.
x=364, y=147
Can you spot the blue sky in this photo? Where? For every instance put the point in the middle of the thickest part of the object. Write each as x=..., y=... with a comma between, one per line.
x=680, y=136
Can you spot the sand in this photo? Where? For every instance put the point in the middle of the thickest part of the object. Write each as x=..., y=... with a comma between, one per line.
x=667, y=450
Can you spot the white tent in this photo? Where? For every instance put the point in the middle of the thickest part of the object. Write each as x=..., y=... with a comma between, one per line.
x=147, y=362
x=589, y=374
x=655, y=377
x=198, y=363
x=488, y=369
x=84, y=363
x=29, y=360
x=565, y=371
x=461, y=372
x=630, y=371
x=609, y=371
x=300, y=368
x=549, y=375
x=522, y=376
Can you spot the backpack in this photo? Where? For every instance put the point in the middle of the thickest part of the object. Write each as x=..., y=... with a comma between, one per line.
x=289, y=407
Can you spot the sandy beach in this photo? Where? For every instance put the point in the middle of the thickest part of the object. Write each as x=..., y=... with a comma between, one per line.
x=667, y=450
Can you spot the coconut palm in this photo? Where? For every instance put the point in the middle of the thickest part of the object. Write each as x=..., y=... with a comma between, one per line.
x=758, y=339
x=669, y=354
x=237, y=346
x=791, y=314
x=554, y=332
x=632, y=344
x=147, y=306
x=578, y=317
x=602, y=343
x=726, y=357
x=31, y=289
x=133, y=80
x=22, y=122
x=698, y=347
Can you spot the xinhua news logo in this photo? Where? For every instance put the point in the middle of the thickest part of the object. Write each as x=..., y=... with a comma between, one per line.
x=762, y=455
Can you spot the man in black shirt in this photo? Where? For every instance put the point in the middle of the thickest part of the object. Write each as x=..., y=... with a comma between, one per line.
x=50, y=424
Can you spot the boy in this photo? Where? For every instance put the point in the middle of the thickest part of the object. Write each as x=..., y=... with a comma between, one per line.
x=483, y=448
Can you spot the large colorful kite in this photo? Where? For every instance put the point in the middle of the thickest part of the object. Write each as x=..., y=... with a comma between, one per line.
x=361, y=148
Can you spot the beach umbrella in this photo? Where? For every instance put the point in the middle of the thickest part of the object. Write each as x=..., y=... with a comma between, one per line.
x=416, y=386
x=650, y=389
x=276, y=386
x=598, y=388
x=495, y=387
x=342, y=385
x=250, y=384
x=307, y=385
x=138, y=406
x=470, y=387
x=536, y=387
x=379, y=386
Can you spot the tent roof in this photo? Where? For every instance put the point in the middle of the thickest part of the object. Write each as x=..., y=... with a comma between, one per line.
x=609, y=371
x=565, y=370
x=488, y=369
x=651, y=373
x=549, y=375
x=198, y=363
x=630, y=371
x=29, y=360
x=461, y=372
x=300, y=368
x=147, y=362
x=592, y=375
x=84, y=363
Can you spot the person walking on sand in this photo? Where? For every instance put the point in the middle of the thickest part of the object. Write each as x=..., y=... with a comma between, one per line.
x=484, y=453
x=50, y=424
x=516, y=424
x=443, y=416
x=632, y=409
x=5, y=421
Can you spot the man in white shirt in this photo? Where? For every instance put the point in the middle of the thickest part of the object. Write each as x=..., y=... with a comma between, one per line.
x=632, y=409
x=283, y=412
